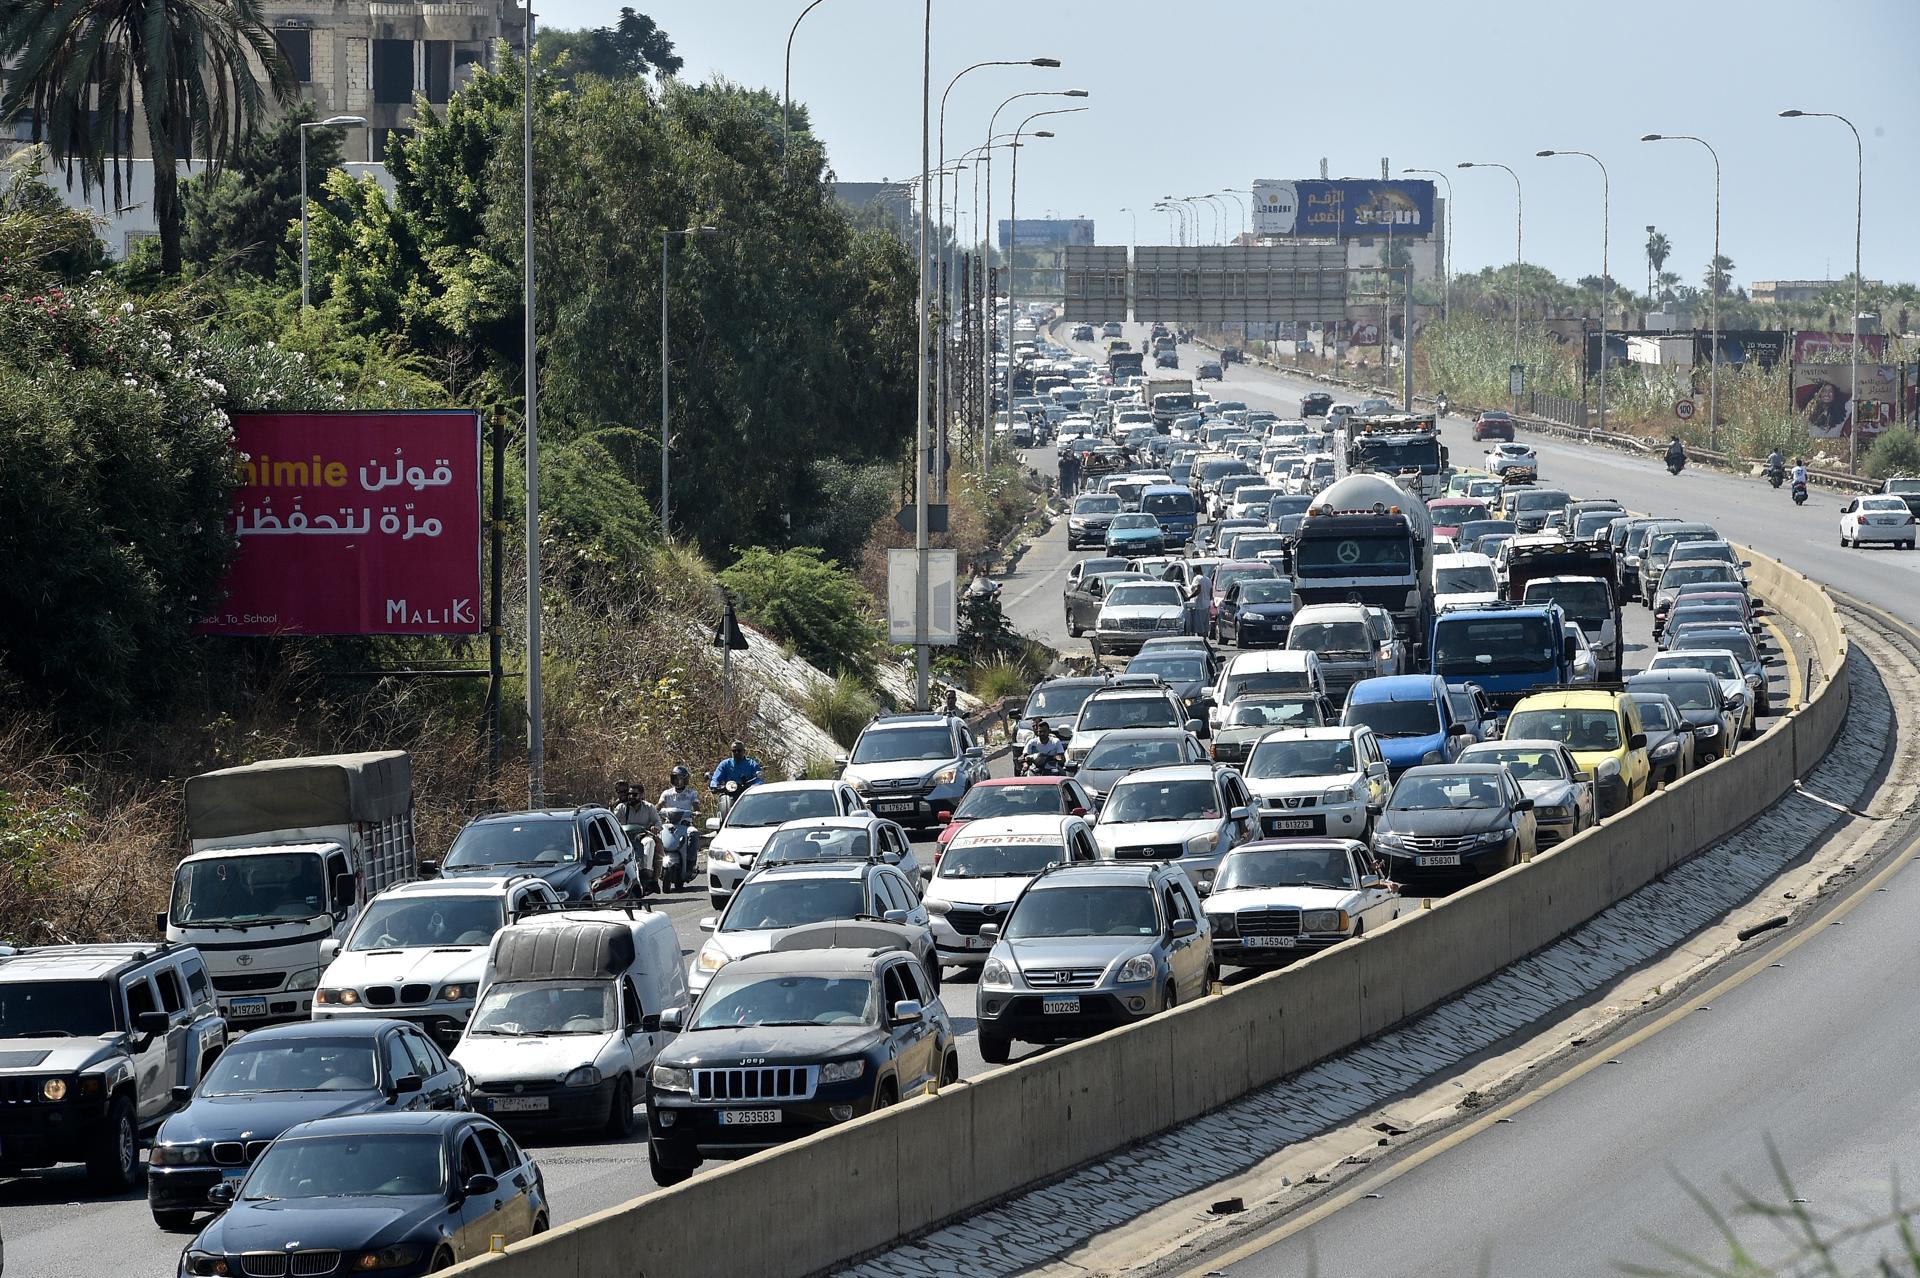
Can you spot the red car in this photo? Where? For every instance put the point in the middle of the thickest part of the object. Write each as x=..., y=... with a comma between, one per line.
x=1449, y=513
x=1015, y=796
x=1493, y=425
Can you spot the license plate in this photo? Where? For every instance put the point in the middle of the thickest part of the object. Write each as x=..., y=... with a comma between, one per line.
x=1431, y=862
x=1289, y=823
x=1270, y=942
x=518, y=1104
x=248, y=1007
x=895, y=806
x=749, y=1117
x=976, y=942
x=1060, y=1006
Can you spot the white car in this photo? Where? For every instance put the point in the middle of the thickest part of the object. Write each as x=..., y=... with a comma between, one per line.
x=985, y=866
x=1135, y=612
x=733, y=843
x=1275, y=900
x=1516, y=456
x=1876, y=518
x=1585, y=668
x=418, y=950
x=1190, y=813
x=1327, y=781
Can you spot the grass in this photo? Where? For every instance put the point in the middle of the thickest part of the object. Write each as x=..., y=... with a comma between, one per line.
x=998, y=679
x=840, y=707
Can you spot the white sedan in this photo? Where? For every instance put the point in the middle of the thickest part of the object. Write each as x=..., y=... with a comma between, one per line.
x=1876, y=518
x=1277, y=899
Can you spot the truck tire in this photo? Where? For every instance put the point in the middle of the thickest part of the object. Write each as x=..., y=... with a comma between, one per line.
x=114, y=1161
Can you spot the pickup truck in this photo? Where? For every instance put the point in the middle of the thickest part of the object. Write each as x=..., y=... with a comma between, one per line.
x=1583, y=577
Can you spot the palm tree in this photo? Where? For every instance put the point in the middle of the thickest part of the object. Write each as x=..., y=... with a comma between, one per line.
x=85, y=71
x=1658, y=250
x=1719, y=276
x=1666, y=281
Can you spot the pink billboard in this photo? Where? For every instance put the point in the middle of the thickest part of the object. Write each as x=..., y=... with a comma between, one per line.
x=355, y=523
x=1810, y=345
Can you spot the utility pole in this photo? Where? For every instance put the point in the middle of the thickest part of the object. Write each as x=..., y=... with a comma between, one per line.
x=536, y=733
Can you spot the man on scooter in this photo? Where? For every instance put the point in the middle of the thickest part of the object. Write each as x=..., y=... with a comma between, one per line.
x=1046, y=754
x=680, y=800
x=1776, y=467
x=736, y=769
x=641, y=821
x=1799, y=472
x=1676, y=455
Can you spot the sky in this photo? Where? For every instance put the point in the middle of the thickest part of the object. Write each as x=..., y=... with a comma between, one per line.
x=1205, y=95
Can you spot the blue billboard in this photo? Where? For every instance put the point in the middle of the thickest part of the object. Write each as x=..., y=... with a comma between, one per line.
x=1064, y=232
x=1344, y=208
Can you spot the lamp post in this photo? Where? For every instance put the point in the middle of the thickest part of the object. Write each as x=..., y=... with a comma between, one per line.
x=786, y=88
x=1713, y=290
x=666, y=238
x=987, y=326
x=1216, y=213
x=1013, y=226
x=1446, y=271
x=1173, y=206
x=1133, y=228
x=536, y=717
x=332, y=121
x=1518, y=253
x=1853, y=326
x=1235, y=197
x=1606, y=281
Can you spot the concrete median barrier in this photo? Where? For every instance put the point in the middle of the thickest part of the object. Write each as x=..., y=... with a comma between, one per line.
x=803, y=1208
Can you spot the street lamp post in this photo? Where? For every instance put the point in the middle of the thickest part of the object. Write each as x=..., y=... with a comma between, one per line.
x=536, y=716
x=1235, y=197
x=1013, y=225
x=332, y=121
x=1713, y=290
x=1446, y=271
x=1606, y=281
x=1519, y=254
x=1173, y=220
x=1853, y=326
x=666, y=238
x=786, y=88
x=986, y=325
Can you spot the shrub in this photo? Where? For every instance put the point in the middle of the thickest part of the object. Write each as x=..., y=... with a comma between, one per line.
x=805, y=600
x=999, y=679
x=840, y=707
x=1897, y=452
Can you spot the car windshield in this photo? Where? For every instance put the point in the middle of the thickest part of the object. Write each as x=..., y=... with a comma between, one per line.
x=515, y=1008
x=734, y=1001
x=56, y=1009
x=1282, y=760
x=244, y=890
x=1285, y=867
x=1180, y=503
x=1127, y=754
x=516, y=841
x=1456, y=513
x=1145, y=594
x=1058, y=700
x=1686, y=574
x=1134, y=520
x=1656, y=712
x=1084, y=911
x=361, y=1165
x=1416, y=792
x=1737, y=642
x=1240, y=685
x=816, y=843
x=769, y=904
x=1591, y=522
x=1379, y=454
x=1255, y=544
x=1354, y=556
x=1706, y=615
x=1577, y=729
x=250, y=1066
x=1174, y=667
x=1396, y=718
x=901, y=745
x=1152, y=800
x=1262, y=712
x=1010, y=800
x=1719, y=664
x=1331, y=638
x=1102, y=504
x=1262, y=590
x=1224, y=578
x=426, y=922
x=1539, y=499
x=1464, y=579
x=1102, y=713
x=1582, y=600
x=1022, y=858
x=1690, y=694
x=759, y=807
x=1526, y=763
x=1470, y=645
x=1661, y=544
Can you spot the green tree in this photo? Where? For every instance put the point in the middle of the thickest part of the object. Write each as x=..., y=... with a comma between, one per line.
x=1659, y=249
x=1718, y=276
x=239, y=216
x=1895, y=452
x=85, y=70
x=809, y=602
x=633, y=46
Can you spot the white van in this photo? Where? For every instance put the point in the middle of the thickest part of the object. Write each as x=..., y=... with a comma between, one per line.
x=1273, y=670
x=568, y=1020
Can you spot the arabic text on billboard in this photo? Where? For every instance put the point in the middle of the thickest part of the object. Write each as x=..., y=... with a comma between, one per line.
x=354, y=524
x=1342, y=208
x=1822, y=398
x=1050, y=232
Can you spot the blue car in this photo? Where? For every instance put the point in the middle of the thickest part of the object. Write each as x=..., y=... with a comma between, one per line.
x=393, y=1194
x=1174, y=506
x=282, y=1076
x=1413, y=717
x=1134, y=534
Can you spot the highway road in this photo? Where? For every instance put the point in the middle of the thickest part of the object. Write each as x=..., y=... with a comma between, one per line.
x=1813, y=1057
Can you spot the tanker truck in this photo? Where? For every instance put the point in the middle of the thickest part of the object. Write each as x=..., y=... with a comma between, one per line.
x=1367, y=540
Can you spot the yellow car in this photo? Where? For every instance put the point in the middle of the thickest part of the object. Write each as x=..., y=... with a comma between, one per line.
x=1459, y=482
x=1604, y=732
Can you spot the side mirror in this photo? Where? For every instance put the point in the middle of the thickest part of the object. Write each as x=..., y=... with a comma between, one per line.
x=180, y=1093
x=429, y=869
x=1525, y=805
x=673, y=1019
x=976, y=753
x=896, y=916
x=1240, y=814
x=221, y=1193
x=841, y=761
x=650, y=1024
x=1065, y=734
x=407, y=1084
x=1183, y=928
x=1072, y=768
x=1196, y=726
x=1638, y=741
x=342, y=891
x=907, y=1012
x=937, y=906
x=1371, y=880
x=479, y=1186
x=330, y=949
x=709, y=924
x=600, y=856
x=1584, y=776
x=152, y=1023
x=1076, y=810
x=1568, y=648
x=1459, y=730
x=713, y=825
x=160, y=922
x=990, y=931
x=944, y=816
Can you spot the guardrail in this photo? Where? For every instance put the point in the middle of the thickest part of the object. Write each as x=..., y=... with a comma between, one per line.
x=808, y=1206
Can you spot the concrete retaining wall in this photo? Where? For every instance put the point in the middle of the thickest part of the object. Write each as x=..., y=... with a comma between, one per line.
x=803, y=1208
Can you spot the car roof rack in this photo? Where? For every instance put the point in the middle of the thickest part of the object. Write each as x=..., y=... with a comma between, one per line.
x=627, y=907
x=1599, y=685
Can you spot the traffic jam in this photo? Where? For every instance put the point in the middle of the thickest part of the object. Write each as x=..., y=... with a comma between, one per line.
x=1329, y=671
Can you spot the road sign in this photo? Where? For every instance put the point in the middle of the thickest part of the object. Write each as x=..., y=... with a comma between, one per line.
x=1516, y=379
x=906, y=520
x=1223, y=284
x=1683, y=409
x=1096, y=283
x=903, y=570
x=727, y=633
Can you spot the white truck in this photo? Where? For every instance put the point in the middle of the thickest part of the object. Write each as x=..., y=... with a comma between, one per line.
x=1177, y=394
x=285, y=854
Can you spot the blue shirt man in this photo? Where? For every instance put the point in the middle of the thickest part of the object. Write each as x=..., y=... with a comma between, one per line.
x=736, y=767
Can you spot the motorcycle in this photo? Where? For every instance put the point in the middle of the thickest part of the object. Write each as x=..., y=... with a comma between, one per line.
x=645, y=844
x=1676, y=464
x=1440, y=406
x=1777, y=476
x=1799, y=493
x=1047, y=765
x=677, y=851
x=728, y=793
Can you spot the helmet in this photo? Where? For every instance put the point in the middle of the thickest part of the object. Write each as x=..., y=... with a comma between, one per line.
x=679, y=776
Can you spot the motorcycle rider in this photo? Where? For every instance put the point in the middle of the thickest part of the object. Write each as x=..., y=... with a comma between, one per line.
x=1799, y=472
x=737, y=768
x=1776, y=464
x=632, y=811
x=1676, y=454
x=681, y=799
x=1045, y=754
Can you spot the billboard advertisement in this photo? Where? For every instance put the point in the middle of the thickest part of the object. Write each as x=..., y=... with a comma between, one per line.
x=355, y=523
x=1821, y=398
x=1815, y=346
x=1063, y=232
x=1344, y=208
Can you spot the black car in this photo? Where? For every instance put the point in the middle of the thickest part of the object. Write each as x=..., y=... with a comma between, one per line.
x=279, y=1077
x=1697, y=696
x=1454, y=821
x=1740, y=642
x=1188, y=672
x=1669, y=737
x=1315, y=404
x=582, y=851
x=788, y=1043
x=1256, y=612
x=1166, y=359
x=1210, y=370
x=393, y=1194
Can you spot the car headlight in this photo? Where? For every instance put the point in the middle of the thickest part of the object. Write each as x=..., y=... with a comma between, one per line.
x=1707, y=730
x=1496, y=836
x=336, y=998
x=54, y=1089
x=585, y=1076
x=1324, y=921
x=1389, y=838
x=996, y=973
x=667, y=1078
x=860, y=786
x=1433, y=756
x=1141, y=967
x=395, y=1257
x=454, y=993
x=725, y=854
x=176, y=1155
x=1609, y=770
x=946, y=776
x=842, y=1071
x=201, y=1262
x=1204, y=842
x=1341, y=794
x=1553, y=813
x=1666, y=750
x=304, y=980
x=711, y=958
x=1224, y=924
